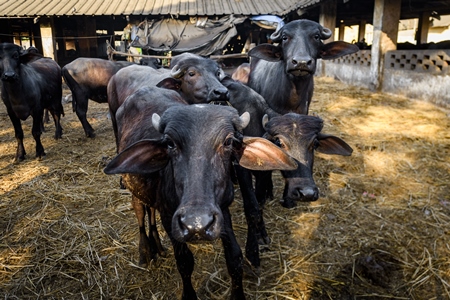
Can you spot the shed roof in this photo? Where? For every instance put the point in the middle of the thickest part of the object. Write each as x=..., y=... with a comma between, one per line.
x=33, y=8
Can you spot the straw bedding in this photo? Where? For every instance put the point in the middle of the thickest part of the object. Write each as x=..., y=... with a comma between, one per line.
x=381, y=229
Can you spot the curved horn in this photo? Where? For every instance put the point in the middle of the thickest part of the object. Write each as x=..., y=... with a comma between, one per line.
x=276, y=36
x=155, y=121
x=245, y=119
x=176, y=72
x=325, y=33
x=265, y=119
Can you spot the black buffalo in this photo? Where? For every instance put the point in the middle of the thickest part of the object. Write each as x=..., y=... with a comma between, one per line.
x=283, y=74
x=299, y=136
x=197, y=80
x=177, y=158
x=87, y=78
x=194, y=78
x=30, y=84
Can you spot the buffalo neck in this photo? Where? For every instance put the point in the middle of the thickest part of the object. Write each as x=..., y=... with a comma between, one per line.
x=283, y=92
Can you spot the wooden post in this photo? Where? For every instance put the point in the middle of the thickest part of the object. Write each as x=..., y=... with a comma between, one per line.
x=362, y=30
x=327, y=16
x=86, y=28
x=48, y=38
x=341, y=31
x=36, y=32
x=386, y=17
x=424, y=25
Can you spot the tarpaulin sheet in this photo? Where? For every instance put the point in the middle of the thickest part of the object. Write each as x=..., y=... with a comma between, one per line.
x=201, y=36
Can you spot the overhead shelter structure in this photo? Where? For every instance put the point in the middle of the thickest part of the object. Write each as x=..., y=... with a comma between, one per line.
x=71, y=28
x=68, y=29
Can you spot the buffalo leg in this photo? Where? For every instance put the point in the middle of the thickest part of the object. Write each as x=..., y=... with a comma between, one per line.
x=80, y=105
x=36, y=131
x=233, y=256
x=153, y=230
x=58, y=127
x=46, y=116
x=263, y=189
x=18, y=131
x=251, y=209
x=147, y=245
x=184, y=259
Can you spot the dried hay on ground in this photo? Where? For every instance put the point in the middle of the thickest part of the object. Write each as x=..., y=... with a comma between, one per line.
x=381, y=229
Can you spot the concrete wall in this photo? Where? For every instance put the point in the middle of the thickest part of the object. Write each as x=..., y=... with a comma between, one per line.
x=421, y=74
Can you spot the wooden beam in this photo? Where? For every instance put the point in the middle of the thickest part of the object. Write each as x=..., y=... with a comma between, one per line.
x=327, y=16
x=386, y=17
x=362, y=30
x=424, y=25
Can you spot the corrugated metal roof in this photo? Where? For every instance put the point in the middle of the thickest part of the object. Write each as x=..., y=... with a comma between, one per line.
x=32, y=8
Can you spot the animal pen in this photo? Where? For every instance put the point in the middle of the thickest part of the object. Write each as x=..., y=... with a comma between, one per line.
x=381, y=229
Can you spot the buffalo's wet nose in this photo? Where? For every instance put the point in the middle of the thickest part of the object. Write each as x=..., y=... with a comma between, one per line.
x=306, y=194
x=197, y=226
x=220, y=94
x=8, y=75
x=301, y=62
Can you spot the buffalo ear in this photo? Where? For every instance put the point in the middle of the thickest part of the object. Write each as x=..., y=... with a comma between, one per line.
x=337, y=49
x=330, y=144
x=267, y=52
x=170, y=84
x=262, y=155
x=143, y=157
x=26, y=57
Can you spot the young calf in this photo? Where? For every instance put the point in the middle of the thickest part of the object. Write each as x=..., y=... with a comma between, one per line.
x=177, y=158
x=299, y=135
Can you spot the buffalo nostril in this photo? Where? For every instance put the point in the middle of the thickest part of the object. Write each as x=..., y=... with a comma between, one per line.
x=183, y=226
x=296, y=193
x=294, y=62
x=221, y=93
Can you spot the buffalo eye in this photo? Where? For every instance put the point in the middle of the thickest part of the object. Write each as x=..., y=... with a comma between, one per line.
x=317, y=37
x=220, y=74
x=316, y=144
x=169, y=143
x=278, y=143
x=284, y=37
x=191, y=73
x=228, y=142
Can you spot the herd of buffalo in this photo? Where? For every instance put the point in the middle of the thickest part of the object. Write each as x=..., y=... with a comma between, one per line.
x=180, y=155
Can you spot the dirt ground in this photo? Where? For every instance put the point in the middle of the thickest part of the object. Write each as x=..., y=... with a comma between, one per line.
x=381, y=229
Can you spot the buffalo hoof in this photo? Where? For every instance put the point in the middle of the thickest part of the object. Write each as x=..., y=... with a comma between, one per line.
x=40, y=156
x=250, y=270
x=264, y=240
x=58, y=134
x=18, y=159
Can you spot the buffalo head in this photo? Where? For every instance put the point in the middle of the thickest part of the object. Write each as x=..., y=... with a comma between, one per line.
x=199, y=78
x=193, y=159
x=300, y=135
x=299, y=45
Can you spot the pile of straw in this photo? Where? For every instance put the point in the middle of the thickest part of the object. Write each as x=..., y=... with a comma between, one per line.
x=381, y=229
